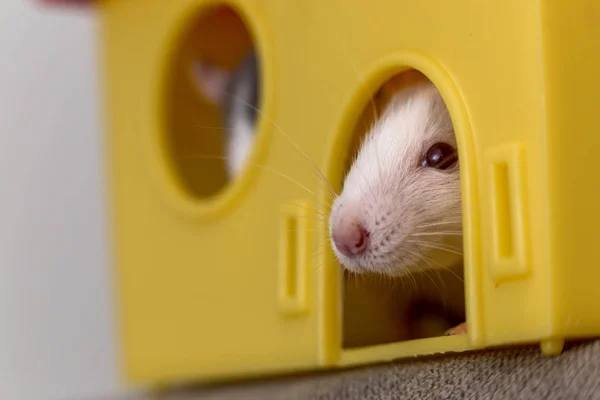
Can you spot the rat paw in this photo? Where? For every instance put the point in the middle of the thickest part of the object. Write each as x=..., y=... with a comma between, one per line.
x=460, y=329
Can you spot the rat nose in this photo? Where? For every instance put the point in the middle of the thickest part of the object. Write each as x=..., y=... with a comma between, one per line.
x=350, y=237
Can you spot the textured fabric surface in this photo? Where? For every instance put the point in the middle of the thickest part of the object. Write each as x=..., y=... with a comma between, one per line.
x=501, y=374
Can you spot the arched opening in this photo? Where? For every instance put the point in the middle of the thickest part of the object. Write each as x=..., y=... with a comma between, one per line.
x=401, y=187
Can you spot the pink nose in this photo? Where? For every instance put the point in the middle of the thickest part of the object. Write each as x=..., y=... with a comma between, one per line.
x=350, y=237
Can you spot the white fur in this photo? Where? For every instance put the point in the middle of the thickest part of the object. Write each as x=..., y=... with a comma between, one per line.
x=241, y=132
x=395, y=198
x=239, y=146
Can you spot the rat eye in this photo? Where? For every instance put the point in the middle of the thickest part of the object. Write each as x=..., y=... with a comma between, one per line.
x=440, y=156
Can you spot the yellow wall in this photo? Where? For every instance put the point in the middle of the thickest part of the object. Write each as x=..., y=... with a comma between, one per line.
x=199, y=277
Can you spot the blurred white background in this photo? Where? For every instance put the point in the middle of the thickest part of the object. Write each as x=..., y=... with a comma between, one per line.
x=57, y=334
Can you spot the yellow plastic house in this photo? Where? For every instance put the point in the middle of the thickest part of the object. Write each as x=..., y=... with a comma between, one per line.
x=221, y=280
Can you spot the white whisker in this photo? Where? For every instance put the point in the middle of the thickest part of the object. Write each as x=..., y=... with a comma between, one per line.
x=208, y=157
x=436, y=246
x=456, y=233
x=285, y=135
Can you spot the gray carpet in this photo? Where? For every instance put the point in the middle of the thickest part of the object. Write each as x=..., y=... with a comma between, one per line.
x=500, y=374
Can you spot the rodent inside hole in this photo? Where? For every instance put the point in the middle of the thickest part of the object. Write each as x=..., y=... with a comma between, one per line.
x=402, y=188
x=212, y=94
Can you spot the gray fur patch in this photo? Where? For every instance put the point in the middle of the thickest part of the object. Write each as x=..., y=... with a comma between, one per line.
x=242, y=97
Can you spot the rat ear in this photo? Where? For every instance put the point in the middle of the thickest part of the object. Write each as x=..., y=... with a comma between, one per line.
x=397, y=82
x=210, y=81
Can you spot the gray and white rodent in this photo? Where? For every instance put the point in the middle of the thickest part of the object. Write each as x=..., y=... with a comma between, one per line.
x=399, y=211
x=237, y=94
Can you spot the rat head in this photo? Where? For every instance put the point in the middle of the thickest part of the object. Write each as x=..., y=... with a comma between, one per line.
x=400, y=207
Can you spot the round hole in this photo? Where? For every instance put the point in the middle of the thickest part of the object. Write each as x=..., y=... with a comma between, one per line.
x=212, y=93
x=400, y=180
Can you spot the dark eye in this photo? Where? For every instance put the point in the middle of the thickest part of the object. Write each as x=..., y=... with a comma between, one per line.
x=440, y=156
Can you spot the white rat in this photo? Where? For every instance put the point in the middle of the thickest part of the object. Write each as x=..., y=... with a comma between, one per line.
x=400, y=208
x=399, y=212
